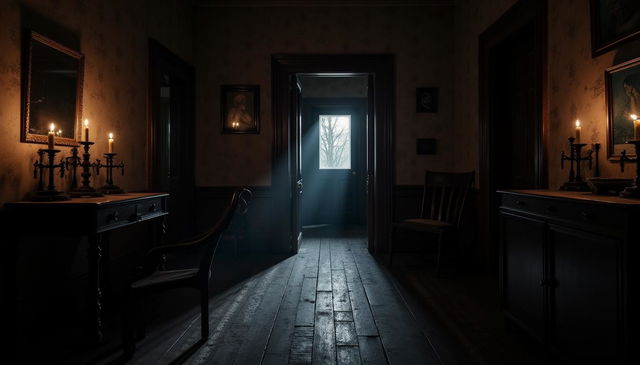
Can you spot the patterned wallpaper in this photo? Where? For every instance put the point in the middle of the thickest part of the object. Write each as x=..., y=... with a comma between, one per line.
x=113, y=37
x=576, y=80
x=234, y=46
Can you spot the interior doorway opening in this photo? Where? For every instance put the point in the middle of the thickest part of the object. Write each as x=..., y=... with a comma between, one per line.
x=333, y=125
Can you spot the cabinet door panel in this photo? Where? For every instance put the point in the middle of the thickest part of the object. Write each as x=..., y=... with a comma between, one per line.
x=584, y=299
x=523, y=272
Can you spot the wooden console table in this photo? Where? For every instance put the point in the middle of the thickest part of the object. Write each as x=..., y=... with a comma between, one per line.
x=91, y=217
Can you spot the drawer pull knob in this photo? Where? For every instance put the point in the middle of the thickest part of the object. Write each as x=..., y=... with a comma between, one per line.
x=519, y=202
x=588, y=215
x=135, y=217
x=114, y=217
x=153, y=207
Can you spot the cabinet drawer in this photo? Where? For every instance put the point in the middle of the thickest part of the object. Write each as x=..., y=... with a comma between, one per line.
x=591, y=216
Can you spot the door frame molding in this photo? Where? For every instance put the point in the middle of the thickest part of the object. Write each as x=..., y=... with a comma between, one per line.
x=380, y=164
x=524, y=13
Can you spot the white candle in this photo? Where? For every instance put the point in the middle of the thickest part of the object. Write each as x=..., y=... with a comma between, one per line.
x=636, y=126
x=51, y=137
x=578, y=130
x=86, y=130
x=110, y=142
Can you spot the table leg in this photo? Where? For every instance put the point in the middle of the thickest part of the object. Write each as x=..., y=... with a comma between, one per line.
x=94, y=298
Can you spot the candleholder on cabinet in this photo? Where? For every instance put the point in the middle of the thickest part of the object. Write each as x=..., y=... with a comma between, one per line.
x=50, y=193
x=74, y=161
x=110, y=187
x=631, y=191
x=575, y=182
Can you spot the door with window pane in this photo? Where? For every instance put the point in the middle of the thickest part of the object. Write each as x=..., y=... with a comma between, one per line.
x=333, y=152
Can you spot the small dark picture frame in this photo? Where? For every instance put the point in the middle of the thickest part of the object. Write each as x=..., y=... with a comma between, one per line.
x=427, y=100
x=240, y=109
x=426, y=146
x=613, y=22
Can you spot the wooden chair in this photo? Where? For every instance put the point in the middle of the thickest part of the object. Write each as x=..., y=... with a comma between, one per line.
x=238, y=230
x=444, y=198
x=153, y=277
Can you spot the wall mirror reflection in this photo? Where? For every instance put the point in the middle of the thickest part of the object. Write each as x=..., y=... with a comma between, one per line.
x=52, y=90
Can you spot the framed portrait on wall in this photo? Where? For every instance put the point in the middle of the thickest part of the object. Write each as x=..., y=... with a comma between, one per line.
x=613, y=22
x=623, y=100
x=427, y=100
x=240, y=108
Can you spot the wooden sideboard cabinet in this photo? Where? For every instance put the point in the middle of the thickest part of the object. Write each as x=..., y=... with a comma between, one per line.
x=567, y=271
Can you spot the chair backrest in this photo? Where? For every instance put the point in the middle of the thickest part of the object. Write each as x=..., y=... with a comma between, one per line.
x=445, y=195
x=237, y=205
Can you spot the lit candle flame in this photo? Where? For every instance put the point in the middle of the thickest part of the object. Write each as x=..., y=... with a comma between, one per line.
x=110, y=135
x=577, y=122
x=52, y=127
x=86, y=123
x=59, y=132
x=633, y=116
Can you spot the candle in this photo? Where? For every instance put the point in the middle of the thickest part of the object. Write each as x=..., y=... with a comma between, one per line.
x=636, y=126
x=110, y=142
x=578, y=130
x=86, y=130
x=59, y=133
x=51, y=137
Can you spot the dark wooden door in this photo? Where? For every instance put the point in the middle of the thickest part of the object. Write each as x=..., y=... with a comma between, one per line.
x=171, y=91
x=522, y=272
x=584, y=295
x=335, y=192
x=512, y=112
x=297, y=183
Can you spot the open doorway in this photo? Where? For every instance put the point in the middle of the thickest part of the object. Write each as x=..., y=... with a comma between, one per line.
x=287, y=179
x=334, y=145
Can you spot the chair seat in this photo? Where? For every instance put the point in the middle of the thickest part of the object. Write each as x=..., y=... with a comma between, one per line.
x=422, y=224
x=164, y=277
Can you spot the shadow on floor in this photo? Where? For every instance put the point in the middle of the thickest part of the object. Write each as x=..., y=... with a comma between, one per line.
x=467, y=304
x=164, y=313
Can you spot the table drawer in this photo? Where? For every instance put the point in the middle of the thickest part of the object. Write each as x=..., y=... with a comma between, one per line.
x=121, y=215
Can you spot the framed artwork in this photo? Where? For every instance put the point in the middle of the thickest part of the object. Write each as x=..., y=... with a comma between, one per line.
x=613, y=22
x=426, y=146
x=623, y=100
x=240, y=107
x=426, y=100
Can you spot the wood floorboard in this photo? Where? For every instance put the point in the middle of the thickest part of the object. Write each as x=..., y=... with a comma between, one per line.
x=330, y=304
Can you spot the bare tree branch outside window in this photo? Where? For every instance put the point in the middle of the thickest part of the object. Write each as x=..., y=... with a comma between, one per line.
x=335, y=142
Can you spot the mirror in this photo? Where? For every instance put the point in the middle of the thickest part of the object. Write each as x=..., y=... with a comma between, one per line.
x=52, y=91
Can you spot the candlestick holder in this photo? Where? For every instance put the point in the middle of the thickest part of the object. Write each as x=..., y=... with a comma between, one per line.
x=50, y=193
x=575, y=182
x=110, y=187
x=74, y=162
x=631, y=191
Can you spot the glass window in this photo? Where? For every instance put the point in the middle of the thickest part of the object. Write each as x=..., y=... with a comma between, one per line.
x=335, y=142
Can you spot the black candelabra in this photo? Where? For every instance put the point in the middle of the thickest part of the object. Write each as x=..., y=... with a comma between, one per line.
x=74, y=161
x=631, y=191
x=50, y=193
x=575, y=182
x=110, y=187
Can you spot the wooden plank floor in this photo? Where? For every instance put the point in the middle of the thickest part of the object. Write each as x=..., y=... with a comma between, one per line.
x=330, y=304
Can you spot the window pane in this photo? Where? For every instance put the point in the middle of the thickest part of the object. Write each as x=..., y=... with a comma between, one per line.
x=335, y=142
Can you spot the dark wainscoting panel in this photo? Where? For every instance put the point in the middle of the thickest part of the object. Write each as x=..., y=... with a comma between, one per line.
x=262, y=219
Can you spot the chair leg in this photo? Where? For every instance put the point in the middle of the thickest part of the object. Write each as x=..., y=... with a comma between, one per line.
x=204, y=311
x=128, y=333
x=439, y=257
